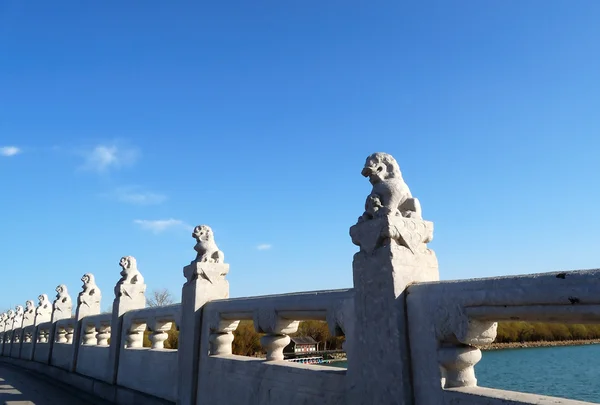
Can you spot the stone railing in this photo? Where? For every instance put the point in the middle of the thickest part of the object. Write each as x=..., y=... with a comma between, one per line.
x=92, y=355
x=463, y=314
x=409, y=338
x=161, y=363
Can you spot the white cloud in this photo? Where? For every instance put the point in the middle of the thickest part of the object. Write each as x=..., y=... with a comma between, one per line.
x=160, y=225
x=138, y=196
x=9, y=151
x=264, y=246
x=105, y=157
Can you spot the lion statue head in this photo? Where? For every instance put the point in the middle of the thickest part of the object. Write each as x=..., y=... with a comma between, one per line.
x=381, y=166
x=128, y=263
x=203, y=233
x=29, y=305
x=88, y=279
x=43, y=300
x=19, y=309
x=61, y=291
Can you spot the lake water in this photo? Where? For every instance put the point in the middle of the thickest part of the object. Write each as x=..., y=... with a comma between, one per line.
x=568, y=372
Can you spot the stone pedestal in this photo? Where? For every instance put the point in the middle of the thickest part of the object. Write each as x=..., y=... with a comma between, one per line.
x=393, y=254
x=206, y=282
x=128, y=297
x=88, y=304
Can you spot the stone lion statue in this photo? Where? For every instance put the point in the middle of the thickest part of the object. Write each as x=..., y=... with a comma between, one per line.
x=19, y=312
x=44, y=308
x=130, y=273
x=3, y=321
x=29, y=313
x=390, y=195
x=63, y=301
x=18, y=316
x=89, y=290
x=130, y=277
x=205, y=245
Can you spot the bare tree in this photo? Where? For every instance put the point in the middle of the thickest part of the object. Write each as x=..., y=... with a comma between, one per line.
x=159, y=298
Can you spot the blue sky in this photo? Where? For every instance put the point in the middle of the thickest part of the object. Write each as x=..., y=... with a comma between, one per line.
x=123, y=125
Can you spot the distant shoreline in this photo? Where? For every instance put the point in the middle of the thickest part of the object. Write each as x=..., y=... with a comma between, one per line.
x=522, y=345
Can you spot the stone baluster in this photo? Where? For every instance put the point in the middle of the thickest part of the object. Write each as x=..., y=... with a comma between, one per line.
x=89, y=334
x=61, y=334
x=103, y=334
x=221, y=337
x=159, y=333
x=458, y=364
x=135, y=335
x=70, y=331
x=277, y=330
x=43, y=336
x=27, y=336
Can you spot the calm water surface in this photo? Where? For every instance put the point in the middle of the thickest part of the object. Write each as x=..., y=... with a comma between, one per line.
x=569, y=372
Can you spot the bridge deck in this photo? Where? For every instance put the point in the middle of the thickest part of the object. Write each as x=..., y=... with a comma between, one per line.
x=22, y=387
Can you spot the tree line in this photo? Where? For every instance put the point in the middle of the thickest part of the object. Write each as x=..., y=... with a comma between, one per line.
x=511, y=332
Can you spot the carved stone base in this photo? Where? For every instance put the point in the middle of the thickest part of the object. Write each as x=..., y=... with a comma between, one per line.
x=393, y=255
x=214, y=273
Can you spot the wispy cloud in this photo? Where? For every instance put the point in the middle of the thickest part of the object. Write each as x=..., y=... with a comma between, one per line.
x=160, y=225
x=264, y=246
x=137, y=195
x=102, y=158
x=9, y=151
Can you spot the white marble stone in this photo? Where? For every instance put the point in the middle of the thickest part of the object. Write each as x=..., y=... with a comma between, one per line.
x=89, y=298
x=62, y=305
x=393, y=254
x=129, y=295
x=205, y=281
x=43, y=311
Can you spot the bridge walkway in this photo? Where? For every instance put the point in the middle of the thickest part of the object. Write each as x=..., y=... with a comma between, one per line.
x=23, y=387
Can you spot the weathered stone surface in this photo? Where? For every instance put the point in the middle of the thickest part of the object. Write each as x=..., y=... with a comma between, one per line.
x=206, y=281
x=89, y=299
x=129, y=295
x=390, y=195
x=63, y=305
x=18, y=320
x=29, y=313
x=393, y=254
x=43, y=312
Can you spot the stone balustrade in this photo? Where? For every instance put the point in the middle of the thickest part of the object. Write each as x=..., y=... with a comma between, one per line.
x=275, y=316
x=463, y=314
x=409, y=338
x=161, y=363
x=92, y=356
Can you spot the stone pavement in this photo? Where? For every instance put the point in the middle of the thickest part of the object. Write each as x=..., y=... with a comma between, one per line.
x=23, y=387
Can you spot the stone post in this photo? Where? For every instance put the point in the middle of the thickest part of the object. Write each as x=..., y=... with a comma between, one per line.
x=88, y=304
x=43, y=313
x=205, y=282
x=15, y=350
x=3, y=318
x=393, y=254
x=129, y=295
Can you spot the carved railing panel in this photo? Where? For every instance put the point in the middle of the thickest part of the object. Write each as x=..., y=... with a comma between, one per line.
x=277, y=316
x=462, y=315
x=157, y=320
